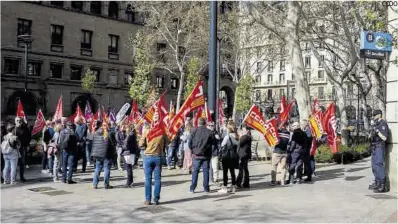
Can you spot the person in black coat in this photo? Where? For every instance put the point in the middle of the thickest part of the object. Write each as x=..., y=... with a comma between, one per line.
x=130, y=149
x=298, y=150
x=245, y=152
x=24, y=136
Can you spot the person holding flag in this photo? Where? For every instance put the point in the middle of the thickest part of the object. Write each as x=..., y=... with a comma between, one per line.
x=156, y=141
x=24, y=136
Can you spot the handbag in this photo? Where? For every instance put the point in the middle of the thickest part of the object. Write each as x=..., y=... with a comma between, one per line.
x=6, y=147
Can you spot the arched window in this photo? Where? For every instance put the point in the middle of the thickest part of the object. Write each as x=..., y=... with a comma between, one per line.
x=113, y=10
x=29, y=102
x=95, y=7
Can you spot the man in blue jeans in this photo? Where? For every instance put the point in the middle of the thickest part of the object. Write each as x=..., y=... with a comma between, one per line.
x=156, y=142
x=202, y=143
x=68, y=144
x=172, y=152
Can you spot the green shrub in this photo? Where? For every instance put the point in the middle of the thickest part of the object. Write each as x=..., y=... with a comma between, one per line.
x=323, y=154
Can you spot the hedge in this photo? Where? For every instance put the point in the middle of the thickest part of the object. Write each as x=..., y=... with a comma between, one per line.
x=349, y=154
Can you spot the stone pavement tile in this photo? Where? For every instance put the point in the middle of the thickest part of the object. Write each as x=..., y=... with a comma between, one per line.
x=337, y=195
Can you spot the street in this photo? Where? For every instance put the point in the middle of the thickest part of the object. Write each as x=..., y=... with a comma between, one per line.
x=333, y=196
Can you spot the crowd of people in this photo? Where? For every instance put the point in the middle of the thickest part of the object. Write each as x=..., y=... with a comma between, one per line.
x=193, y=149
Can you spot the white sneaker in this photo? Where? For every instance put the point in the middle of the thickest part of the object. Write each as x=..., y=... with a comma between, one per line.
x=223, y=190
x=27, y=167
x=44, y=171
x=233, y=188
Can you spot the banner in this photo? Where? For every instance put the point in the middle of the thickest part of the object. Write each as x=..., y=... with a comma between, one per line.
x=149, y=114
x=330, y=127
x=316, y=125
x=20, y=111
x=158, y=127
x=194, y=100
x=88, y=114
x=122, y=112
x=40, y=123
x=268, y=128
x=59, y=110
x=285, y=110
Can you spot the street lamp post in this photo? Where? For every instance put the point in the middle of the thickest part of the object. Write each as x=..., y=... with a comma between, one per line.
x=212, y=59
x=27, y=39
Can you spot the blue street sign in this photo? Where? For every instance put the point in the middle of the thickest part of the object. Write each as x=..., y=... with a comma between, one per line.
x=376, y=41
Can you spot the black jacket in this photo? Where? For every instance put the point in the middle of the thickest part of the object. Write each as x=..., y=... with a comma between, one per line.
x=299, y=142
x=23, y=134
x=101, y=147
x=202, y=142
x=245, y=147
x=68, y=140
x=284, y=138
x=131, y=145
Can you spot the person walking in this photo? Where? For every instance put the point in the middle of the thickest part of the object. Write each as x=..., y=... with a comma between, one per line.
x=129, y=152
x=153, y=164
x=297, y=149
x=279, y=155
x=186, y=138
x=102, y=154
x=229, y=158
x=68, y=143
x=201, y=145
x=244, y=153
x=10, y=150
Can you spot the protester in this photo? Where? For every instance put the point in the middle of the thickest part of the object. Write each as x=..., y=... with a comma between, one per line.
x=10, y=150
x=102, y=154
x=81, y=134
x=215, y=152
x=129, y=151
x=89, y=143
x=186, y=137
x=24, y=136
x=172, y=149
x=279, y=155
x=3, y=133
x=244, y=152
x=297, y=148
x=229, y=158
x=201, y=145
x=153, y=164
x=306, y=155
x=68, y=143
x=58, y=153
x=120, y=137
x=45, y=140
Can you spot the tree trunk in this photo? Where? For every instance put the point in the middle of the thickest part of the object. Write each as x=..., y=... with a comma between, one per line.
x=234, y=108
x=296, y=60
x=365, y=112
x=343, y=115
x=180, y=89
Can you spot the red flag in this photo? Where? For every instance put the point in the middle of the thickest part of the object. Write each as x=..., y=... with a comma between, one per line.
x=40, y=123
x=158, y=128
x=313, y=147
x=207, y=113
x=133, y=112
x=59, y=110
x=315, y=106
x=172, y=111
x=194, y=100
x=78, y=113
x=220, y=112
x=268, y=128
x=285, y=110
x=96, y=117
x=198, y=114
x=20, y=111
x=329, y=125
x=149, y=114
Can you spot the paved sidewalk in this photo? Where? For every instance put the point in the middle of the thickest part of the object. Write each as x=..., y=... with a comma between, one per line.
x=338, y=194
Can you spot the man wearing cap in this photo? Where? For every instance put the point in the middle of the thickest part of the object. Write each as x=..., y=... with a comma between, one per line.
x=378, y=136
x=68, y=145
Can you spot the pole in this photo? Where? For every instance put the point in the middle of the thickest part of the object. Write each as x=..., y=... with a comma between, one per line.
x=217, y=112
x=212, y=58
x=26, y=66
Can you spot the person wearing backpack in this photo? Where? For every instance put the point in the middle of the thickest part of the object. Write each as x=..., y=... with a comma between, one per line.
x=229, y=158
x=9, y=148
x=68, y=145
